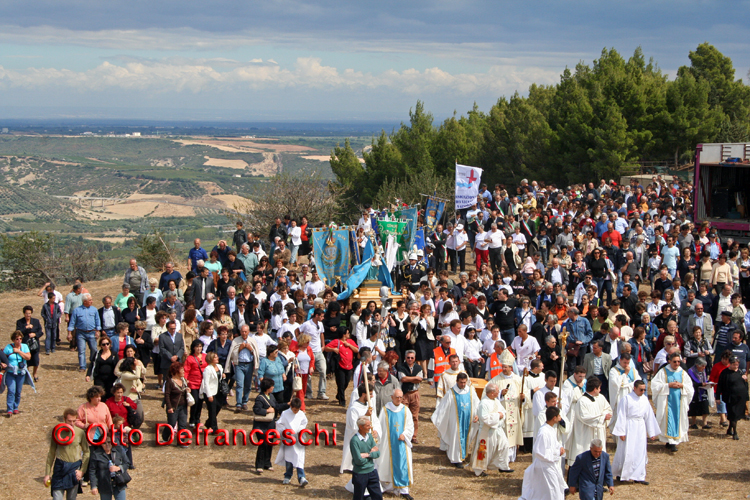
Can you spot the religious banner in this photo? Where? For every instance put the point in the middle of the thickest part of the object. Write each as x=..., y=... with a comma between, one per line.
x=432, y=213
x=394, y=227
x=419, y=239
x=331, y=248
x=410, y=216
x=359, y=272
x=467, y=185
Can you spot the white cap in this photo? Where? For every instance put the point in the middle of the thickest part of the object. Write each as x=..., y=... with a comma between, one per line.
x=420, y=253
x=412, y=256
x=459, y=227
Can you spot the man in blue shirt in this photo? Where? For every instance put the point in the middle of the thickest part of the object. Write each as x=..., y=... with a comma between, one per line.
x=168, y=275
x=669, y=256
x=581, y=336
x=195, y=254
x=85, y=322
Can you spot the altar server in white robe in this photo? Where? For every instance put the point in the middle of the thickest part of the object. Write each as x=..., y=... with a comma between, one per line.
x=514, y=402
x=453, y=418
x=354, y=396
x=672, y=391
x=573, y=390
x=292, y=457
x=533, y=382
x=636, y=423
x=491, y=448
x=358, y=409
x=538, y=405
x=397, y=429
x=592, y=415
x=563, y=426
x=543, y=479
x=622, y=376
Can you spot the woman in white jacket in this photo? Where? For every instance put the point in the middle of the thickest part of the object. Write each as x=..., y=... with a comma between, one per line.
x=209, y=390
x=293, y=457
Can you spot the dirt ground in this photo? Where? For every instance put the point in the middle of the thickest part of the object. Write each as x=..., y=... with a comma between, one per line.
x=708, y=467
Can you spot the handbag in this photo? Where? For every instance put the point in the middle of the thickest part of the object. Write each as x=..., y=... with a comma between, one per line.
x=268, y=417
x=223, y=387
x=121, y=478
x=33, y=344
x=573, y=349
x=297, y=383
x=134, y=419
x=188, y=395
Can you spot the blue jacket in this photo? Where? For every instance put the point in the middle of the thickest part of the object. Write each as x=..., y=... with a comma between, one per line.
x=520, y=315
x=580, y=329
x=115, y=340
x=581, y=476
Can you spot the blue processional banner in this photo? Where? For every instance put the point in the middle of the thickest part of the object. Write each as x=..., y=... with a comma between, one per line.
x=331, y=248
x=419, y=239
x=432, y=214
x=359, y=272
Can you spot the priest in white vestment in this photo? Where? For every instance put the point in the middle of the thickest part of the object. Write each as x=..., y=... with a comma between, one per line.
x=293, y=419
x=543, y=479
x=453, y=418
x=491, y=447
x=448, y=377
x=397, y=428
x=622, y=376
x=672, y=391
x=592, y=415
x=514, y=402
x=636, y=423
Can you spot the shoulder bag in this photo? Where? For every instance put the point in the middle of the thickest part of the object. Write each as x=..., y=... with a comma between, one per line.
x=268, y=417
x=297, y=383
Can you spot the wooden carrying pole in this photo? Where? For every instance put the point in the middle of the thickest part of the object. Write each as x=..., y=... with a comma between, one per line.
x=367, y=390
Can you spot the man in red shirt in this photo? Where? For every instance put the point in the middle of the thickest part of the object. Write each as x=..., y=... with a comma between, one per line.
x=613, y=234
x=346, y=349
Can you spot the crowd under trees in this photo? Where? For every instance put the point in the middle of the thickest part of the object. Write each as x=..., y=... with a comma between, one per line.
x=598, y=119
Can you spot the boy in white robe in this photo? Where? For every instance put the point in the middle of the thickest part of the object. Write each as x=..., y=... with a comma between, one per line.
x=543, y=479
x=534, y=381
x=672, y=391
x=359, y=408
x=293, y=457
x=622, y=376
x=636, y=423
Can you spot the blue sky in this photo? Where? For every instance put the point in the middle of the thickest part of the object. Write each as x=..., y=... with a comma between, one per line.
x=334, y=60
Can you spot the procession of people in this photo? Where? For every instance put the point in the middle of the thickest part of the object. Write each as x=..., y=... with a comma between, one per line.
x=548, y=350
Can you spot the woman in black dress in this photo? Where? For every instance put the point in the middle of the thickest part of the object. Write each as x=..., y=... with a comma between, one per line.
x=130, y=314
x=732, y=388
x=102, y=367
x=425, y=344
x=32, y=333
x=266, y=410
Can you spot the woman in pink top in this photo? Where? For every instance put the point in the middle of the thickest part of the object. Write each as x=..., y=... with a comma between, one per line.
x=94, y=412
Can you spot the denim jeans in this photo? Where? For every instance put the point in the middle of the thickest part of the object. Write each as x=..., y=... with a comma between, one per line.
x=290, y=471
x=508, y=336
x=295, y=252
x=15, y=385
x=81, y=340
x=110, y=332
x=118, y=495
x=51, y=332
x=320, y=367
x=243, y=378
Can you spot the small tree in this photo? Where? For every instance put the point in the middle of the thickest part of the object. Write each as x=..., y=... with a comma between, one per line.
x=410, y=190
x=154, y=251
x=304, y=194
x=82, y=261
x=29, y=257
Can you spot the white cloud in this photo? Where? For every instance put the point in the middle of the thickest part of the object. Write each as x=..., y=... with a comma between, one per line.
x=221, y=75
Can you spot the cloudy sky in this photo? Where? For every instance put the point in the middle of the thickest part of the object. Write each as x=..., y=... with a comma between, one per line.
x=333, y=60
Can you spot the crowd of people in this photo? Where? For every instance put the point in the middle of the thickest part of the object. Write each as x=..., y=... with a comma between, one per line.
x=558, y=289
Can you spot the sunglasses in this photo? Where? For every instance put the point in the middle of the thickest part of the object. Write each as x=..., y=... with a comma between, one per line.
x=105, y=343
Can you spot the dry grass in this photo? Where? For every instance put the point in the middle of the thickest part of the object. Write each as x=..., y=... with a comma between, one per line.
x=218, y=162
x=708, y=467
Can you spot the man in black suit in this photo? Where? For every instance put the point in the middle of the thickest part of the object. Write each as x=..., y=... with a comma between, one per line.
x=590, y=472
x=171, y=346
x=202, y=286
x=238, y=316
x=109, y=315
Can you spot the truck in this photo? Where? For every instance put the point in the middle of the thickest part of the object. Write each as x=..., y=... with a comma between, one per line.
x=722, y=188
